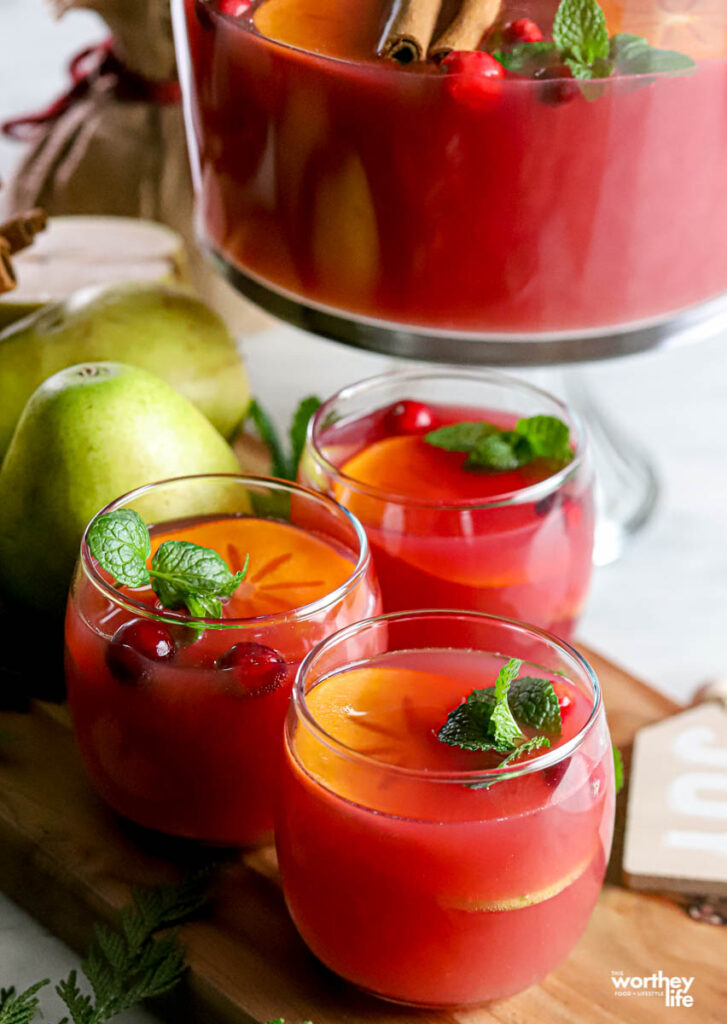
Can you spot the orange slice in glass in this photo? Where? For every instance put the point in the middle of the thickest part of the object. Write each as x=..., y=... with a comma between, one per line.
x=450, y=546
x=340, y=28
x=407, y=466
x=288, y=567
x=522, y=900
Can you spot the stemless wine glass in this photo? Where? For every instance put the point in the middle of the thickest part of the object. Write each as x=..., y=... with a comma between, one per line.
x=179, y=720
x=423, y=883
x=520, y=547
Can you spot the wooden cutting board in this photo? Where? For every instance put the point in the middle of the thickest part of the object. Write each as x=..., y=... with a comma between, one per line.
x=69, y=861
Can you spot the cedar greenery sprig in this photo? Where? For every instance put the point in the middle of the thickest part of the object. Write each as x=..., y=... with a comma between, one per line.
x=284, y=466
x=123, y=966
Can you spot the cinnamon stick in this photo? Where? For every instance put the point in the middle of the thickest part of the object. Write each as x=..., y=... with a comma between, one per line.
x=20, y=231
x=7, y=274
x=467, y=28
x=16, y=234
x=409, y=30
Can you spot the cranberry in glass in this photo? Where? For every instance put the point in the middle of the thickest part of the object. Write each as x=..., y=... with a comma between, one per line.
x=408, y=417
x=134, y=645
x=258, y=669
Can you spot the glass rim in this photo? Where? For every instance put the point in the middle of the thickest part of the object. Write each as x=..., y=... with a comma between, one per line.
x=300, y=613
x=539, y=763
x=428, y=69
x=533, y=492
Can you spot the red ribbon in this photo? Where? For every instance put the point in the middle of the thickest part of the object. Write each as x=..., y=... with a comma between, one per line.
x=94, y=64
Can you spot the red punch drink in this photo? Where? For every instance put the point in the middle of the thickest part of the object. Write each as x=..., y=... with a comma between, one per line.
x=429, y=873
x=446, y=534
x=434, y=196
x=179, y=720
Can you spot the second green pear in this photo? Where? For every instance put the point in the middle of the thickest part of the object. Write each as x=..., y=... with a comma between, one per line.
x=162, y=329
x=88, y=435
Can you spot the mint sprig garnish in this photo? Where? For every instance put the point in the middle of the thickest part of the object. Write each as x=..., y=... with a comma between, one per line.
x=488, y=446
x=284, y=466
x=181, y=574
x=485, y=721
x=581, y=41
x=491, y=718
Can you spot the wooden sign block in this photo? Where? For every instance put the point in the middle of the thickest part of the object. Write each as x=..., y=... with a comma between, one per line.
x=676, y=823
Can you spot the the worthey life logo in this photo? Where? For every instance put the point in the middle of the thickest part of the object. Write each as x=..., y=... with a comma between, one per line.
x=675, y=990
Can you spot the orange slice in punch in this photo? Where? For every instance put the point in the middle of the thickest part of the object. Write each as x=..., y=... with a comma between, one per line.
x=388, y=714
x=288, y=567
x=413, y=472
x=409, y=467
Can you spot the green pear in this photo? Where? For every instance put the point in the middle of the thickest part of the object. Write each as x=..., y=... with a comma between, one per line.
x=162, y=329
x=88, y=435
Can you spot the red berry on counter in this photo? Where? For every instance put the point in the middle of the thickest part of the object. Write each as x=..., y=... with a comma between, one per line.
x=257, y=668
x=234, y=8
x=408, y=417
x=472, y=76
x=134, y=645
x=522, y=30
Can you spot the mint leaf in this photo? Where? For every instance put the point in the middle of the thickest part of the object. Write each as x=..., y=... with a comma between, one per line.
x=298, y=430
x=534, y=703
x=525, y=748
x=461, y=437
x=525, y=57
x=503, y=727
x=468, y=725
x=632, y=55
x=548, y=437
x=119, y=541
x=485, y=721
x=498, y=451
x=618, y=767
x=579, y=31
x=186, y=574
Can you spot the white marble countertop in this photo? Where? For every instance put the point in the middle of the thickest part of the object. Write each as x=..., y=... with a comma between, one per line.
x=659, y=611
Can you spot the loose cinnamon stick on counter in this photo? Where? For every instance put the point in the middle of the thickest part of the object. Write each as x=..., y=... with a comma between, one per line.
x=467, y=28
x=409, y=30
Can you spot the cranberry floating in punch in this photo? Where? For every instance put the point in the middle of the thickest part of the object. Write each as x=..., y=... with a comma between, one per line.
x=182, y=642
x=474, y=489
x=528, y=167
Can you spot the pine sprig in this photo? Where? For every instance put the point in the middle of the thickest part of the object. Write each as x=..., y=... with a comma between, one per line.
x=20, y=1008
x=128, y=966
